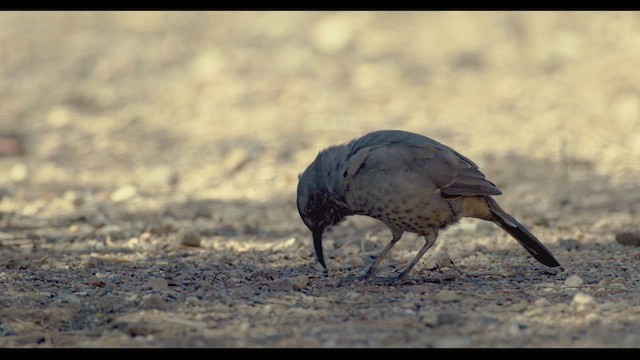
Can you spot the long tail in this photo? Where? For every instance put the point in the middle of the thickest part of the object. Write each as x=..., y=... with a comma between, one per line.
x=520, y=233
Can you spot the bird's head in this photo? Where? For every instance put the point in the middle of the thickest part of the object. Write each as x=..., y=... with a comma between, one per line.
x=318, y=207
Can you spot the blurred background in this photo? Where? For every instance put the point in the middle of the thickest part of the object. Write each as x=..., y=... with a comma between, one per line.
x=153, y=108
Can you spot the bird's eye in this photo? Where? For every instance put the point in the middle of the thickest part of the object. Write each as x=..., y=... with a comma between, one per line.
x=311, y=213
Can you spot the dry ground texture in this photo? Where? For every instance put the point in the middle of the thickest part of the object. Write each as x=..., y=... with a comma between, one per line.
x=146, y=132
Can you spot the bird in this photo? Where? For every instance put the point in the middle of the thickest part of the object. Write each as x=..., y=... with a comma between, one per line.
x=408, y=181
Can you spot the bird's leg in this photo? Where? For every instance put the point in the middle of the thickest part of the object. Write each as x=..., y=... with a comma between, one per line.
x=430, y=239
x=397, y=234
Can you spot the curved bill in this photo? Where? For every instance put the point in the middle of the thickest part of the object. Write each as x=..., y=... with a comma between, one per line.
x=317, y=244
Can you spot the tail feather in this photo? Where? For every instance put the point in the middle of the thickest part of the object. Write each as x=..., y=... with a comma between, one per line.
x=521, y=234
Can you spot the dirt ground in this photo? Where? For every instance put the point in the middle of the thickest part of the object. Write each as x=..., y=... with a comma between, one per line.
x=150, y=164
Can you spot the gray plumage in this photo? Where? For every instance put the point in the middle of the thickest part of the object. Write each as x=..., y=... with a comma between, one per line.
x=408, y=181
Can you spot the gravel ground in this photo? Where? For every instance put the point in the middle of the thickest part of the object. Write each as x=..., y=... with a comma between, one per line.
x=151, y=159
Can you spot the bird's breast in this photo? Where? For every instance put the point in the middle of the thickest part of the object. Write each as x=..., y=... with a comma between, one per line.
x=401, y=203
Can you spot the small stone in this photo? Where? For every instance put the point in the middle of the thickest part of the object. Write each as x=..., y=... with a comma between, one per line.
x=583, y=304
x=69, y=298
x=155, y=284
x=541, y=302
x=355, y=261
x=188, y=236
x=123, y=193
x=517, y=328
x=628, y=238
x=98, y=219
x=619, y=280
x=281, y=285
x=299, y=282
x=351, y=249
x=429, y=319
x=519, y=307
x=592, y=319
x=447, y=296
x=352, y=295
x=573, y=280
x=191, y=301
x=443, y=260
x=73, y=198
x=433, y=319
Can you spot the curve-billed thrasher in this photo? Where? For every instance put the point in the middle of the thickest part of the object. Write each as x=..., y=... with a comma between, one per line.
x=408, y=181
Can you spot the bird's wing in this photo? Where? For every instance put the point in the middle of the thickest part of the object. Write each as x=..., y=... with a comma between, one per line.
x=426, y=159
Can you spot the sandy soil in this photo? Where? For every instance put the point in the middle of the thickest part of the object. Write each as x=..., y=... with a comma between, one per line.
x=143, y=133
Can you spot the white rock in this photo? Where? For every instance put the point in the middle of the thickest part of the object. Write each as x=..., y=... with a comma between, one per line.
x=123, y=193
x=447, y=296
x=541, y=302
x=573, y=280
x=592, y=319
x=583, y=304
x=356, y=261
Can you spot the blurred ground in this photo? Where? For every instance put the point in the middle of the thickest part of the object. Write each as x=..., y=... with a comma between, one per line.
x=145, y=130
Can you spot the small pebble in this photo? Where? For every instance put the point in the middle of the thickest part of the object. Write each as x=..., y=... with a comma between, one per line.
x=447, y=296
x=299, y=282
x=541, y=302
x=191, y=301
x=583, y=304
x=188, y=236
x=443, y=260
x=628, y=238
x=156, y=284
x=592, y=319
x=519, y=306
x=123, y=193
x=281, y=285
x=573, y=280
x=355, y=261
x=619, y=280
